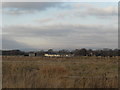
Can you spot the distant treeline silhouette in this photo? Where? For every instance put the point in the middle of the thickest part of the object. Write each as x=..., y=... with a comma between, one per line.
x=76, y=52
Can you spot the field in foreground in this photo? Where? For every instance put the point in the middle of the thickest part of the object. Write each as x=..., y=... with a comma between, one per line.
x=74, y=72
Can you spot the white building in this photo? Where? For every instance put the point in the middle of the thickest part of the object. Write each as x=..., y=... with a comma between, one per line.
x=58, y=55
x=52, y=55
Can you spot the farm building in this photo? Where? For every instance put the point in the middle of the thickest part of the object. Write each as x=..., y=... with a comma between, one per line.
x=32, y=54
x=57, y=55
x=52, y=55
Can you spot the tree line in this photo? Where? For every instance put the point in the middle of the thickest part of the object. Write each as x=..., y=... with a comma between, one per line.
x=76, y=52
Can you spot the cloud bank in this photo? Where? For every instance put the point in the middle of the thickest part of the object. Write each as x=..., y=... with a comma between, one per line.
x=59, y=25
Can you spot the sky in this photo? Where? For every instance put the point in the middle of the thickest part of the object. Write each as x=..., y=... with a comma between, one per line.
x=59, y=25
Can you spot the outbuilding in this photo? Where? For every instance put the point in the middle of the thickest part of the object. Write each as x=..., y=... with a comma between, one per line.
x=32, y=54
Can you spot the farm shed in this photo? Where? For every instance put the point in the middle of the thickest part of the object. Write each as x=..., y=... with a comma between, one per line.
x=32, y=54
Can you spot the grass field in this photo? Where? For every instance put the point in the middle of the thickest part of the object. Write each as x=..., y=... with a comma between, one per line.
x=74, y=72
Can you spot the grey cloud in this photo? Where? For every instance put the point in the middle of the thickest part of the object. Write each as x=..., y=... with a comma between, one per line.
x=86, y=40
x=9, y=43
x=45, y=20
x=57, y=30
x=18, y=12
x=72, y=36
x=16, y=8
x=94, y=11
x=53, y=31
x=110, y=11
x=29, y=5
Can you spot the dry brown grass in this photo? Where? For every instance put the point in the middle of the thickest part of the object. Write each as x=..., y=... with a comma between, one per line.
x=75, y=72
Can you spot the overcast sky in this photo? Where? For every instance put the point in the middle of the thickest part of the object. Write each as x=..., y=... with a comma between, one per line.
x=45, y=25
